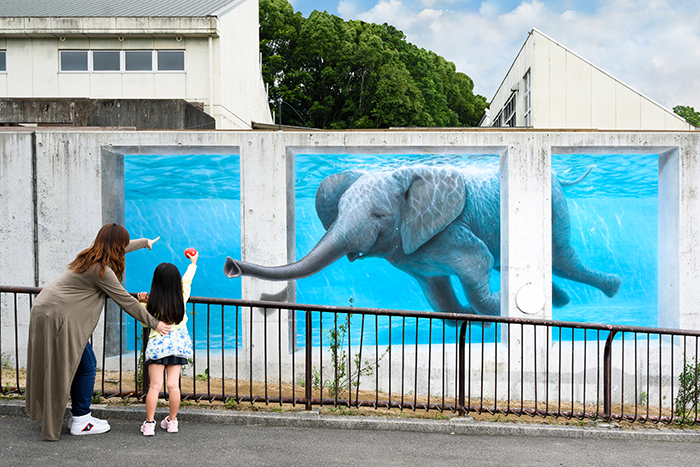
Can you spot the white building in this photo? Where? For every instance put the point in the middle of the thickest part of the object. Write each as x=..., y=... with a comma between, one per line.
x=205, y=51
x=550, y=87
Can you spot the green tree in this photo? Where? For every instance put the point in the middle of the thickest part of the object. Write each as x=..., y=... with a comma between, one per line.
x=340, y=74
x=689, y=113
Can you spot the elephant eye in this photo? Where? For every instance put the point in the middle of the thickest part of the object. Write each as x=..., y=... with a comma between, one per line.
x=378, y=214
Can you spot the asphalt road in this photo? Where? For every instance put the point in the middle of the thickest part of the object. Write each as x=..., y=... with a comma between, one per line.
x=231, y=445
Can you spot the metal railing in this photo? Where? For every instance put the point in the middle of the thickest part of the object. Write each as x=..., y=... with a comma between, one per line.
x=282, y=353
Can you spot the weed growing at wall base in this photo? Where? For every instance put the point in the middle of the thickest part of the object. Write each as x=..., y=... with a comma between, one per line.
x=344, y=372
x=689, y=391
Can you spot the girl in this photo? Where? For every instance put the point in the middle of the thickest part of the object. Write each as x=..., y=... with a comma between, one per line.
x=60, y=360
x=166, y=302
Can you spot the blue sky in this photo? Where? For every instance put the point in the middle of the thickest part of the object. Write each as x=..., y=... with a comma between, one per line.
x=653, y=46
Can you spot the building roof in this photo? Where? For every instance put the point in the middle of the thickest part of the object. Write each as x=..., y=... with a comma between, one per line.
x=111, y=8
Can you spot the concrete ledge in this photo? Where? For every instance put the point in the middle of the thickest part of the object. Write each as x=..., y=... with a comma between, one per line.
x=456, y=426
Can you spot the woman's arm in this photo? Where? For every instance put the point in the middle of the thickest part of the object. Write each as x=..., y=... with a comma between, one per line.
x=140, y=243
x=111, y=286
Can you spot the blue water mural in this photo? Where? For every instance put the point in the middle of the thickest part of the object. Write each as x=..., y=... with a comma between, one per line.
x=189, y=201
x=195, y=201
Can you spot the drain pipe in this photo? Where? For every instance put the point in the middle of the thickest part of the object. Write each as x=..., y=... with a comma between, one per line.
x=211, y=77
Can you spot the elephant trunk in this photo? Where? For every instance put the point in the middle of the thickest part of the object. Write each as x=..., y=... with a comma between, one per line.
x=329, y=249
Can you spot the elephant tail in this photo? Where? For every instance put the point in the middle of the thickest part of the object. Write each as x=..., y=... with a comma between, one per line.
x=578, y=180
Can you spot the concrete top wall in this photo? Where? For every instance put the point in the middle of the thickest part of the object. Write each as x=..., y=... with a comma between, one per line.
x=58, y=187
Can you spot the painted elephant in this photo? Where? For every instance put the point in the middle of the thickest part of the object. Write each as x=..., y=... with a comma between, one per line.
x=432, y=223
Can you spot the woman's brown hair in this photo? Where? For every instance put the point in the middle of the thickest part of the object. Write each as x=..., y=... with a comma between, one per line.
x=107, y=250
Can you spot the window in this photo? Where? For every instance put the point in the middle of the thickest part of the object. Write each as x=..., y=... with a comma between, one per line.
x=3, y=61
x=74, y=60
x=509, y=111
x=527, y=97
x=138, y=60
x=171, y=60
x=118, y=61
x=497, y=120
x=106, y=60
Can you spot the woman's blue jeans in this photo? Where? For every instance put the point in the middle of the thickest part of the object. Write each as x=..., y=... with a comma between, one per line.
x=83, y=383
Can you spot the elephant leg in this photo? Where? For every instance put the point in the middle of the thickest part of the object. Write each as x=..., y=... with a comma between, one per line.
x=565, y=262
x=474, y=271
x=568, y=266
x=440, y=294
x=559, y=296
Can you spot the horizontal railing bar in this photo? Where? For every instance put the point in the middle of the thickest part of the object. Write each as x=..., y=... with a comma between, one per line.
x=459, y=317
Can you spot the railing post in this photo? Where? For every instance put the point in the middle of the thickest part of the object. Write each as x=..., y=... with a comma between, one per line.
x=461, y=368
x=308, y=360
x=145, y=379
x=607, y=376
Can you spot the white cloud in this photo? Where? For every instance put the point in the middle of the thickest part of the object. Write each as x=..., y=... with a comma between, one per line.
x=652, y=46
x=348, y=9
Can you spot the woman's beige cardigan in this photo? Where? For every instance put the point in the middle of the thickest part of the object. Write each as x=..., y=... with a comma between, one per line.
x=63, y=317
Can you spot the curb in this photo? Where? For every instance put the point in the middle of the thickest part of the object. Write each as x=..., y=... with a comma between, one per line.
x=455, y=426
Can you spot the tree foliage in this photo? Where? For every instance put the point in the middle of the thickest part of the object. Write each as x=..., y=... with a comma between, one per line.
x=689, y=113
x=337, y=74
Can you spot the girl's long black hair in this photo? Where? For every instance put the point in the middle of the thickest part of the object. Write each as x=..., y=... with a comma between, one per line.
x=165, y=300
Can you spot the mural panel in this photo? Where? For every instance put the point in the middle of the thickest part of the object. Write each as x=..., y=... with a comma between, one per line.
x=189, y=201
x=607, y=260
x=613, y=213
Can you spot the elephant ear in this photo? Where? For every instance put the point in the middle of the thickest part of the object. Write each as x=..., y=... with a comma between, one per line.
x=434, y=199
x=329, y=192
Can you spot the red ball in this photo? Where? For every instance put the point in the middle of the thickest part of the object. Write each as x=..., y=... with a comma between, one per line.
x=190, y=252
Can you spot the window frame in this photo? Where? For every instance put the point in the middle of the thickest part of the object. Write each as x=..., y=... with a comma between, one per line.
x=497, y=120
x=527, y=99
x=509, y=111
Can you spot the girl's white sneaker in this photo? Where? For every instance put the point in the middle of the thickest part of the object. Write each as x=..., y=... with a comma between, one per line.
x=170, y=425
x=148, y=428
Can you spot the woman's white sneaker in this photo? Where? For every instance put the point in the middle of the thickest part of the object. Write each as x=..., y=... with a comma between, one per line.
x=85, y=425
x=94, y=420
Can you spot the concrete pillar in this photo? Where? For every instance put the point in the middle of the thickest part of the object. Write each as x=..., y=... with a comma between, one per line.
x=267, y=238
x=18, y=239
x=679, y=235
x=526, y=229
x=526, y=262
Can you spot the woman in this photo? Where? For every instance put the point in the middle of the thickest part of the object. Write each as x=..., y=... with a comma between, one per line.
x=60, y=360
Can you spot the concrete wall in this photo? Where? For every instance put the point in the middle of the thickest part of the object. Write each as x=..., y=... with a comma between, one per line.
x=141, y=114
x=58, y=187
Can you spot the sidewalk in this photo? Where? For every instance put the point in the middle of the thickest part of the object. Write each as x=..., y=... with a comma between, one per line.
x=226, y=438
x=454, y=426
